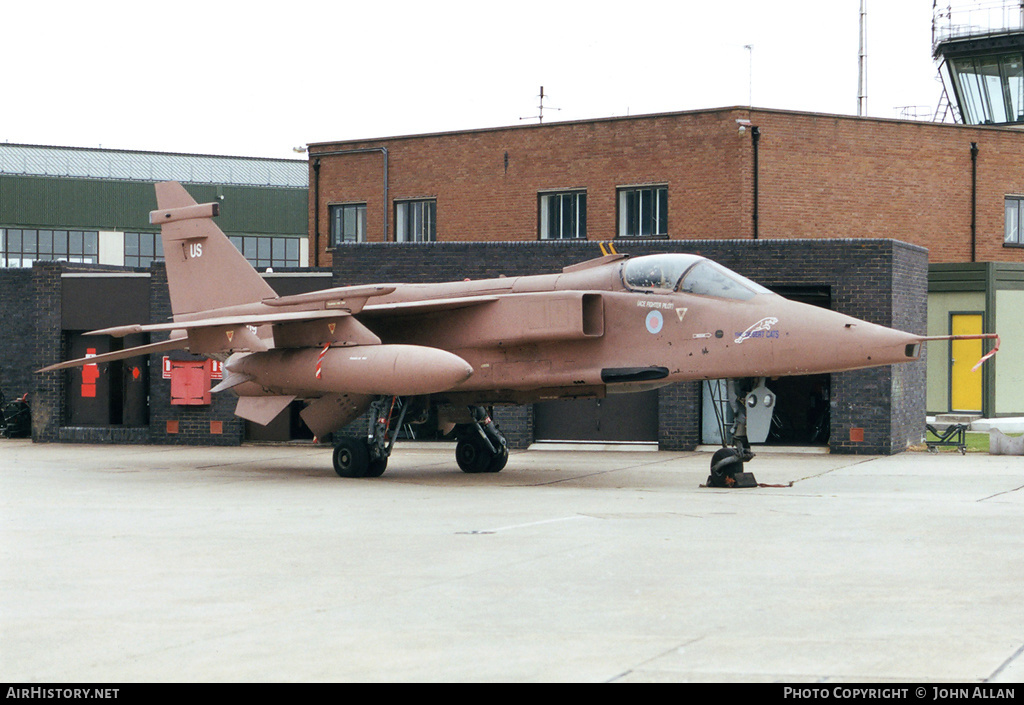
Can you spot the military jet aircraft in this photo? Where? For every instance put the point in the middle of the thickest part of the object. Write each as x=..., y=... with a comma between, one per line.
x=609, y=325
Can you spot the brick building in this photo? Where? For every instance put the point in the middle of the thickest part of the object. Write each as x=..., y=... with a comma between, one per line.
x=725, y=174
x=732, y=173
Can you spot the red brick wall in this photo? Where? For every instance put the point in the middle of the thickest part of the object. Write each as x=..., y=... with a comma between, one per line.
x=819, y=176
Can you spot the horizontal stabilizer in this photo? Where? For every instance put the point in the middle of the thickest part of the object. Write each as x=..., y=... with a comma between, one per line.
x=172, y=344
x=262, y=410
x=219, y=321
x=345, y=298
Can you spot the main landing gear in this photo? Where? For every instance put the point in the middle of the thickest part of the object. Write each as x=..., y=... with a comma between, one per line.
x=368, y=457
x=480, y=447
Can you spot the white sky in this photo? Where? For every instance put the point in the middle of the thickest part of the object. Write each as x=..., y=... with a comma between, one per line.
x=257, y=79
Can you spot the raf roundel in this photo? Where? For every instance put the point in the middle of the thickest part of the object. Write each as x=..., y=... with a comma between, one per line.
x=655, y=321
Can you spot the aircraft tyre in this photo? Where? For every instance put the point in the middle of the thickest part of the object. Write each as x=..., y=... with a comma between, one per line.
x=352, y=458
x=473, y=455
x=725, y=463
x=376, y=467
x=499, y=460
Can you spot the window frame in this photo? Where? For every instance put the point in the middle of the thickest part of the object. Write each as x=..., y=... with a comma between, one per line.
x=63, y=245
x=261, y=251
x=425, y=225
x=359, y=207
x=140, y=258
x=1015, y=204
x=658, y=207
x=577, y=219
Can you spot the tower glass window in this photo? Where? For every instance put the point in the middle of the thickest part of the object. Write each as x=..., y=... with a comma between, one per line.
x=990, y=89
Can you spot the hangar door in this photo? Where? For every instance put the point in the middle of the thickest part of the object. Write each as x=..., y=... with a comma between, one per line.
x=616, y=418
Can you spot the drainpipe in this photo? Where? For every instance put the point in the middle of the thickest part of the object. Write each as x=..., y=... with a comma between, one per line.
x=755, y=135
x=974, y=200
x=316, y=186
x=316, y=212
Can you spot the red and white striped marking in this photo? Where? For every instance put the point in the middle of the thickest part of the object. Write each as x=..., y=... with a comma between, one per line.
x=320, y=361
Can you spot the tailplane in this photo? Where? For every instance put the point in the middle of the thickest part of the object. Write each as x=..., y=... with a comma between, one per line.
x=204, y=270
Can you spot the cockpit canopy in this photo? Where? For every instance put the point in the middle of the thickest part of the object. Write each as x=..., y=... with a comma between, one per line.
x=688, y=274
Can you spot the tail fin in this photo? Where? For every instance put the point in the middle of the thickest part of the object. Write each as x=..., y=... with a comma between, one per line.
x=204, y=270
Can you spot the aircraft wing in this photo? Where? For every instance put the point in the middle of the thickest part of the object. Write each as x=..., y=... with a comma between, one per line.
x=163, y=346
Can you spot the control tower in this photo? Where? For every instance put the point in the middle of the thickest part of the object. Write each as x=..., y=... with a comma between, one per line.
x=980, y=47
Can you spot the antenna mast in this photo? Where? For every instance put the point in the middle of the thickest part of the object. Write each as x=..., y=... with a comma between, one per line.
x=540, y=115
x=862, y=62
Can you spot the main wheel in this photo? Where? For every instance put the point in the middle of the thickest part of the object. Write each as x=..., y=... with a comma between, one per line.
x=498, y=460
x=472, y=454
x=376, y=467
x=351, y=458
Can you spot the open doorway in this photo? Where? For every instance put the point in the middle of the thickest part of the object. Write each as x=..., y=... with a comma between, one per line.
x=802, y=404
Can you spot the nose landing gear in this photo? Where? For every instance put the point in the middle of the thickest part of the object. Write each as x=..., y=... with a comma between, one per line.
x=727, y=463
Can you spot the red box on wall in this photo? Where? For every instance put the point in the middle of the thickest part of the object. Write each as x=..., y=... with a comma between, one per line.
x=190, y=382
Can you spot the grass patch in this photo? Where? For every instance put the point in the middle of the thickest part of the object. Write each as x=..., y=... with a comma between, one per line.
x=976, y=442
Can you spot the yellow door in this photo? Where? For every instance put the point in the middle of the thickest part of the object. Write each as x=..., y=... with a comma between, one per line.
x=965, y=385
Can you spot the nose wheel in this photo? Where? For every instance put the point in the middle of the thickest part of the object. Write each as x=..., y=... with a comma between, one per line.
x=727, y=468
x=727, y=462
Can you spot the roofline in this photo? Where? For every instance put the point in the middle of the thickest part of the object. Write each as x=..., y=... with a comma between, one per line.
x=150, y=152
x=649, y=116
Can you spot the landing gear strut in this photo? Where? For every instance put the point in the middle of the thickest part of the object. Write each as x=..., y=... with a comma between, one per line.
x=480, y=446
x=727, y=463
x=359, y=457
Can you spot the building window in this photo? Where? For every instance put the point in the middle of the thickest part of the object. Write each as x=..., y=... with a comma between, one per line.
x=266, y=251
x=20, y=248
x=563, y=215
x=416, y=221
x=643, y=211
x=140, y=249
x=1013, y=236
x=348, y=223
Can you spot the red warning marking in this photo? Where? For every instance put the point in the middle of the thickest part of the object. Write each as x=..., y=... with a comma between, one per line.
x=90, y=373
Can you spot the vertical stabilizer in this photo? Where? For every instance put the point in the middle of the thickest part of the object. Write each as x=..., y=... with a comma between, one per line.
x=204, y=270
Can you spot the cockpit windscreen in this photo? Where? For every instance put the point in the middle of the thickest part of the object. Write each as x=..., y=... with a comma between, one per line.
x=689, y=274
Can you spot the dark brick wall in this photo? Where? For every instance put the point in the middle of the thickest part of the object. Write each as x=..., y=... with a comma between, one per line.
x=47, y=401
x=193, y=423
x=16, y=331
x=881, y=281
x=196, y=425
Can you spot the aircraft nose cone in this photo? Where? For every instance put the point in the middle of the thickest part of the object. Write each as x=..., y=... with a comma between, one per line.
x=816, y=340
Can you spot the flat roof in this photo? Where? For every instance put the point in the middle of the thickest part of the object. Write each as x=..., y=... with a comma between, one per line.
x=125, y=165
